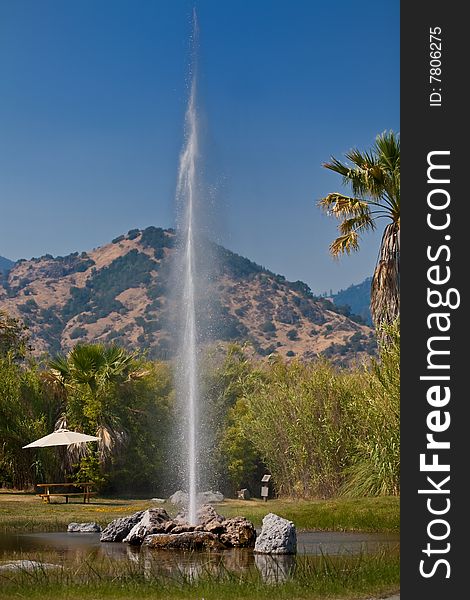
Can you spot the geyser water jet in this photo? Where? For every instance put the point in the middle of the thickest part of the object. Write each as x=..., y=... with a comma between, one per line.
x=187, y=189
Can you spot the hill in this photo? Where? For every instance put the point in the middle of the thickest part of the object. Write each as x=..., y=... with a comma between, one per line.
x=123, y=292
x=5, y=264
x=357, y=298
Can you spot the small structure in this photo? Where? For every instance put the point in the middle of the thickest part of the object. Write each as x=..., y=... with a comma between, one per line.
x=243, y=494
x=265, y=488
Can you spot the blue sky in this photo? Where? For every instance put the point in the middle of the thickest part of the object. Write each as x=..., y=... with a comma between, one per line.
x=92, y=100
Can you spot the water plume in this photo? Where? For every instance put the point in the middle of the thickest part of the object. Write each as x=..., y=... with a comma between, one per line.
x=188, y=377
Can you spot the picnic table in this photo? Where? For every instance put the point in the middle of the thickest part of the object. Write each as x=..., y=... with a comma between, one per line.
x=58, y=490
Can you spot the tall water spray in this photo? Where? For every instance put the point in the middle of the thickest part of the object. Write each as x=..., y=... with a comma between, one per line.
x=187, y=189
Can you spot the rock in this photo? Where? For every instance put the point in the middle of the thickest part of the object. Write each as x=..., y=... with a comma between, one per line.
x=83, y=528
x=210, y=496
x=153, y=520
x=207, y=513
x=27, y=565
x=191, y=540
x=213, y=526
x=238, y=532
x=278, y=536
x=159, y=500
x=243, y=494
x=180, y=498
x=118, y=529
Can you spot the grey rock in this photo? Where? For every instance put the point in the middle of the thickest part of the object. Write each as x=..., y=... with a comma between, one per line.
x=154, y=520
x=181, y=498
x=190, y=540
x=83, y=528
x=207, y=513
x=118, y=529
x=159, y=500
x=278, y=536
x=210, y=496
x=27, y=565
x=238, y=532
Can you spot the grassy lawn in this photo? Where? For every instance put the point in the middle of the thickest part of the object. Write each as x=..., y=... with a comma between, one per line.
x=345, y=578
x=27, y=513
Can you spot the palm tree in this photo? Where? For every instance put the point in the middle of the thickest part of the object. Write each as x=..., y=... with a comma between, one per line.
x=374, y=179
x=88, y=376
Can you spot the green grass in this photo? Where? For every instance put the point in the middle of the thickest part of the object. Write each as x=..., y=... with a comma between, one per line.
x=324, y=577
x=341, y=514
x=26, y=512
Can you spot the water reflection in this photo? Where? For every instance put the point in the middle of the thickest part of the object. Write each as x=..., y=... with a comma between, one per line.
x=68, y=549
x=275, y=569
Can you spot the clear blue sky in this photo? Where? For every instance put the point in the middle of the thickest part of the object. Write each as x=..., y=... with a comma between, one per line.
x=92, y=100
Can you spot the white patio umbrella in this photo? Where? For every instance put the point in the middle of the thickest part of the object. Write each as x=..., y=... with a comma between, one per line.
x=62, y=437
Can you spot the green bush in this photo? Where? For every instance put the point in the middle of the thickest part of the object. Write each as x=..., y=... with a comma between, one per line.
x=301, y=419
x=375, y=468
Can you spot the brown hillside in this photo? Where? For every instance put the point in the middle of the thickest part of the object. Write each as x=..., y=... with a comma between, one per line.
x=122, y=292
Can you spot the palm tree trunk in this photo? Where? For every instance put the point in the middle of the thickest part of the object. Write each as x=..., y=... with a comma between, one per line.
x=385, y=289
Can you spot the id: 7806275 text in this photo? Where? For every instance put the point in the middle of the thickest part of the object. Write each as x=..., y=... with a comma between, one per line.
x=435, y=66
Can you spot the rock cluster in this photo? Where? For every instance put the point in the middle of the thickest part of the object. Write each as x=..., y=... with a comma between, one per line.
x=118, y=529
x=155, y=529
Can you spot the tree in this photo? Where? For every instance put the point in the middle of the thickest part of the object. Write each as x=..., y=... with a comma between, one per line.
x=13, y=338
x=90, y=377
x=374, y=178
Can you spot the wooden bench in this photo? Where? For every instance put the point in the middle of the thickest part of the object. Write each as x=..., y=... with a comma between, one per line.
x=86, y=496
x=46, y=496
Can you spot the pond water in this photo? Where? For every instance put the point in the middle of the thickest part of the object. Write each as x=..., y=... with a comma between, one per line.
x=75, y=548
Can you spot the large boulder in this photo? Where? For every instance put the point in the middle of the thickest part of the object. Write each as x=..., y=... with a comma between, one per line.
x=180, y=498
x=154, y=520
x=118, y=529
x=278, y=536
x=238, y=532
x=189, y=540
x=210, y=497
x=83, y=528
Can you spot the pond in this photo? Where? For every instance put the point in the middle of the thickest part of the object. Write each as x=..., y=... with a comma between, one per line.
x=78, y=548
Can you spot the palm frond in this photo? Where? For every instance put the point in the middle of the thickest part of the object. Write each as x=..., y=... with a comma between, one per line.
x=345, y=244
x=359, y=224
x=341, y=206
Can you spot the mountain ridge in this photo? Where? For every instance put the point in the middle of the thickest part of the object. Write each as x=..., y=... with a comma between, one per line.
x=5, y=264
x=357, y=298
x=122, y=292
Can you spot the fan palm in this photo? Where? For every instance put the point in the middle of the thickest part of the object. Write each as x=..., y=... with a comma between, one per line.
x=374, y=179
x=87, y=376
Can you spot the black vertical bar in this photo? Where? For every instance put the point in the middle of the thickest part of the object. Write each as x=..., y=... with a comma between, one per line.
x=433, y=119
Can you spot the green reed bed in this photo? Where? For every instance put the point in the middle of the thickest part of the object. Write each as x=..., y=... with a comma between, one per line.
x=322, y=577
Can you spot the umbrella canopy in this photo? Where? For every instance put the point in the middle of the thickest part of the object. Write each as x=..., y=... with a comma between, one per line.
x=62, y=437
